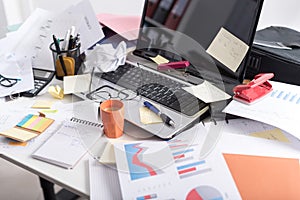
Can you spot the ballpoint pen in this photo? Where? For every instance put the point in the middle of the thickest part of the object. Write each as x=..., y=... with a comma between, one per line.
x=59, y=55
x=166, y=119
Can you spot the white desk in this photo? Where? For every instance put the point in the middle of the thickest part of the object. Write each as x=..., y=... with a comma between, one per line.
x=75, y=180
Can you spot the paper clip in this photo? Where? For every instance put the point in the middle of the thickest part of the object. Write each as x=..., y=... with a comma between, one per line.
x=254, y=90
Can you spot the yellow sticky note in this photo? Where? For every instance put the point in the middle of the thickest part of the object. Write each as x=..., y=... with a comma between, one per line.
x=159, y=60
x=49, y=111
x=108, y=155
x=56, y=92
x=149, y=117
x=274, y=134
x=43, y=104
x=228, y=49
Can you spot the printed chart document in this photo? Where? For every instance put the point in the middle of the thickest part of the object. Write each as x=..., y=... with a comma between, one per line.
x=281, y=108
x=70, y=143
x=179, y=173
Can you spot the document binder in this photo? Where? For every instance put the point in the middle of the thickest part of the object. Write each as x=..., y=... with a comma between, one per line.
x=254, y=90
x=163, y=10
x=151, y=7
x=176, y=14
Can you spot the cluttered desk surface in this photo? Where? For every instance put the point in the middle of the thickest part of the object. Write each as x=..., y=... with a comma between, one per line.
x=59, y=136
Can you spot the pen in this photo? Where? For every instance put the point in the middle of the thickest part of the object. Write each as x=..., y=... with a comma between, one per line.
x=72, y=38
x=59, y=54
x=166, y=119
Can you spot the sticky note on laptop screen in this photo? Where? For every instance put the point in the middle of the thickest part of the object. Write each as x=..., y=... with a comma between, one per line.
x=35, y=123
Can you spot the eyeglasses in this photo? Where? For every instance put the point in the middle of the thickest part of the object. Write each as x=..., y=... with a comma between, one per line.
x=8, y=82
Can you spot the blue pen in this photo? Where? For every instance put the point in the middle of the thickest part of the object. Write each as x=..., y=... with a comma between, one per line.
x=166, y=119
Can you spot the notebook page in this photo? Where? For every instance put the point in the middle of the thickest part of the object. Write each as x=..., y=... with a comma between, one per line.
x=104, y=181
x=69, y=144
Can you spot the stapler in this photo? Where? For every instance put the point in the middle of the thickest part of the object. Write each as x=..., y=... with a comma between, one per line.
x=173, y=65
x=254, y=90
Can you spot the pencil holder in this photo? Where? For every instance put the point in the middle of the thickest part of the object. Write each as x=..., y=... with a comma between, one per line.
x=66, y=62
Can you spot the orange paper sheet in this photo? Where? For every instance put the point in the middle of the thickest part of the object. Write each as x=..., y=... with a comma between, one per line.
x=259, y=177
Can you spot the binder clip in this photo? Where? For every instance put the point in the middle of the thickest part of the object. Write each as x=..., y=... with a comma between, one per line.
x=254, y=90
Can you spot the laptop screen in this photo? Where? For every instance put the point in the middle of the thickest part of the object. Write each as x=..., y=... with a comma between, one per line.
x=198, y=22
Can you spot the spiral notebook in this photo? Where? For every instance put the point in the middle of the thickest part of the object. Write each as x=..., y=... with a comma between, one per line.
x=70, y=143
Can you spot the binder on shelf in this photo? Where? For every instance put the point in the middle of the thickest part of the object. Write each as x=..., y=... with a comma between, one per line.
x=162, y=11
x=151, y=7
x=176, y=14
x=70, y=143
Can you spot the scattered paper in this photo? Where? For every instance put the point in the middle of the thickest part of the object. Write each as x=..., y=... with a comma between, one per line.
x=77, y=83
x=281, y=108
x=89, y=29
x=104, y=181
x=228, y=49
x=207, y=92
x=33, y=38
x=274, y=134
x=259, y=177
x=108, y=155
x=43, y=104
x=105, y=57
x=123, y=17
x=127, y=26
x=159, y=59
x=19, y=68
x=149, y=117
x=176, y=174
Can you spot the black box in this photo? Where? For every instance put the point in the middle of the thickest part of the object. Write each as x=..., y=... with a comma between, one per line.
x=283, y=62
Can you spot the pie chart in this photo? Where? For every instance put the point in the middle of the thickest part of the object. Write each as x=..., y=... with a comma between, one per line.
x=204, y=193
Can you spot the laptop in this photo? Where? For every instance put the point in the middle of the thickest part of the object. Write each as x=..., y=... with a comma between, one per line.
x=139, y=79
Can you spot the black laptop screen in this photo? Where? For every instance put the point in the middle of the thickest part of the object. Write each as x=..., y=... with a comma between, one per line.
x=201, y=21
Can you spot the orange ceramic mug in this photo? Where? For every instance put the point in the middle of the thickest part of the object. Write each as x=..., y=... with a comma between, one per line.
x=112, y=115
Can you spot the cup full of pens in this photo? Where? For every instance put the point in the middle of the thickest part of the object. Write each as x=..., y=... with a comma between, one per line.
x=66, y=54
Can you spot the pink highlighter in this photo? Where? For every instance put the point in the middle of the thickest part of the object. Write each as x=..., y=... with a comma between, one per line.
x=173, y=65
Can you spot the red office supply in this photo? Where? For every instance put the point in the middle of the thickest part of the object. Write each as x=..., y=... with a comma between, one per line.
x=254, y=90
x=176, y=14
x=151, y=7
x=173, y=65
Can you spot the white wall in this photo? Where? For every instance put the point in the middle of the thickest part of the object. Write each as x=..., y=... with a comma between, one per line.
x=275, y=12
x=18, y=10
x=280, y=13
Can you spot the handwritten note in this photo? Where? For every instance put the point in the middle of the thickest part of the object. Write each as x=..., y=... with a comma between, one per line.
x=228, y=49
x=207, y=92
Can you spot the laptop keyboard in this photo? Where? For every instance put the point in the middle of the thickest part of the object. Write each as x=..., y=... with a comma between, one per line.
x=158, y=88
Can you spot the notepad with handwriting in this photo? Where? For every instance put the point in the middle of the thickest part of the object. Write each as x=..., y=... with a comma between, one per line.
x=70, y=143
